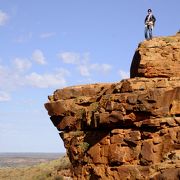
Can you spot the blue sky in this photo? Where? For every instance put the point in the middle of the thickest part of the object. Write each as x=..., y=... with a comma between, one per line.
x=46, y=45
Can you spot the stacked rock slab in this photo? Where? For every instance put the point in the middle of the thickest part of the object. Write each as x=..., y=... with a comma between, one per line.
x=129, y=129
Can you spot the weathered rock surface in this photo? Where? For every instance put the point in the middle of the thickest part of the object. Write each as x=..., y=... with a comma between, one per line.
x=125, y=130
x=157, y=58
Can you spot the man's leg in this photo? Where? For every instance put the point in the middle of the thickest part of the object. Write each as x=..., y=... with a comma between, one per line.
x=146, y=32
x=150, y=33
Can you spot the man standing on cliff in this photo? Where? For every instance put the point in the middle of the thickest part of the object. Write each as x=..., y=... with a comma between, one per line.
x=149, y=24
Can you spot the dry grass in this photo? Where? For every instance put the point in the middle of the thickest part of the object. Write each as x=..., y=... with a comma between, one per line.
x=54, y=170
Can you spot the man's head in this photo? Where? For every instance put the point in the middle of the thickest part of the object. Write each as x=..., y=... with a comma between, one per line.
x=149, y=11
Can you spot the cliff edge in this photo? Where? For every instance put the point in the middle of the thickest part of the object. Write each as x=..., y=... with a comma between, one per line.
x=129, y=129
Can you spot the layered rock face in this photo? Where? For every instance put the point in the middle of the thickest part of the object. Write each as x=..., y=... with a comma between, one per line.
x=129, y=129
x=157, y=58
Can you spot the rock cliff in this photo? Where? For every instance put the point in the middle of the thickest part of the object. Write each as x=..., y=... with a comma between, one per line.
x=129, y=129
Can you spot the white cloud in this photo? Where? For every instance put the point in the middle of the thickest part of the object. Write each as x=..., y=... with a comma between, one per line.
x=101, y=68
x=47, y=35
x=4, y=96
x=83, y=65
x=22, y=64
x=123, y=74
x=12, y=79
x=83, y=70
x=106, y=68
x=38, y=57
x=69, y=57
x=62, y=72
x=45, y=80
x=89, y=69
x=3, y=18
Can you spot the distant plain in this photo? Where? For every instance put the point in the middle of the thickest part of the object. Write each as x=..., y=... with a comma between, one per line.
x=26, y=159
x=34, y=166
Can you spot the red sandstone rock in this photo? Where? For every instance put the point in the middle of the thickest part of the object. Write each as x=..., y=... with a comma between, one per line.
x=157, y=58
x=129, y=129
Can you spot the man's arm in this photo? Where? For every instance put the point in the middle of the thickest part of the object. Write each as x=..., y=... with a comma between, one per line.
x=145, y=19
x=154, y=19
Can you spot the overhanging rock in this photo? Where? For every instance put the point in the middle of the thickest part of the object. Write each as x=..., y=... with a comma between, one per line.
x=129, y=129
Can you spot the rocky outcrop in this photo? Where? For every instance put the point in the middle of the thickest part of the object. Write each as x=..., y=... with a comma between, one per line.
x=157, y=58
x=129, y=129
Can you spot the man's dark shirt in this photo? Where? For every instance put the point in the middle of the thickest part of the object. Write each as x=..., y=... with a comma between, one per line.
x=152, y=18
